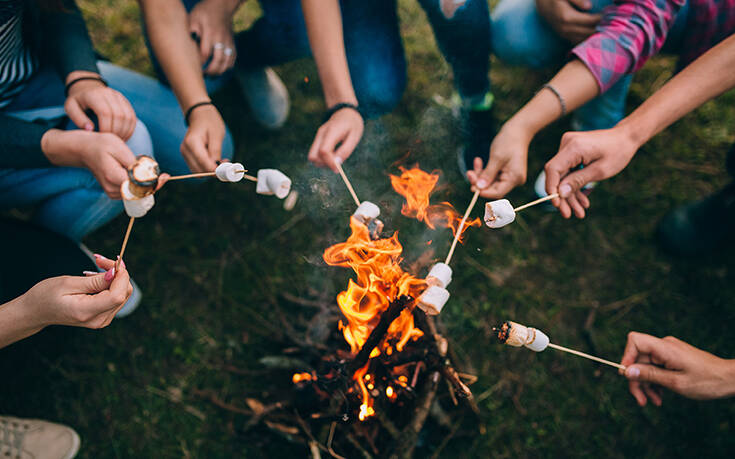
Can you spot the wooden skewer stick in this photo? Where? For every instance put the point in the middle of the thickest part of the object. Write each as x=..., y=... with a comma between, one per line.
x=208, y=174
x=538, y=201
x=127, y=236
x=461, y=226
x=587, y=356
x=347, y=182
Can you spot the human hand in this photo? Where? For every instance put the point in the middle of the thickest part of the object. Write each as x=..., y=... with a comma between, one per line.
x=507, y=167
x=202, y=145
x=603, y=153
x=565, y=17
x=89, y=302
x=104, y=154
x=337, y=138
x=669, y=362
x=114, y=112
x=211, y=22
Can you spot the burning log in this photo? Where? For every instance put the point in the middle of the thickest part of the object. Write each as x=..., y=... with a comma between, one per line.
x=378, y=334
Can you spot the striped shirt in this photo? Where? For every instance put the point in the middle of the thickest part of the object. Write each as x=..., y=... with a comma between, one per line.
x=17, y=62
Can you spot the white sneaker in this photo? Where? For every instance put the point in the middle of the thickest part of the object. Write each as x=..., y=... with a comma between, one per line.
x=266, y=94
x=36, y=439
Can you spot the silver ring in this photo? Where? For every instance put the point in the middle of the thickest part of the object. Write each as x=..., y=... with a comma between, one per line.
x=229, y=51
x=219, y=45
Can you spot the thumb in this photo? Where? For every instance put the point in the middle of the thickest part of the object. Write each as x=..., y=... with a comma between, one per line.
x=488, y=175
x=92, y=284
x=577, y=179
x=652, y=374
x=78, y=117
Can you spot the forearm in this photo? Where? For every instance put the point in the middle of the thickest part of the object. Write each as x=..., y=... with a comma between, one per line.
x=704, y=79
x=729, y=380
x=16, y=322
x=167, y=25
x=324, y=26
x=576, y=86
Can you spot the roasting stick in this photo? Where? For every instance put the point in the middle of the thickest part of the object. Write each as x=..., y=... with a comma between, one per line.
x=347, y=182
x=587, y=356
x=210, y=174
x=125, y=240
x=538, y=201
x=461, y=226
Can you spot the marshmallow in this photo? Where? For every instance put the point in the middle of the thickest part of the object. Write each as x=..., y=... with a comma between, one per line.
x=517, y=335
x=440, y=275
x=134, y=206
x=230, y=172
x=499, y=213
x=433, y=300
x=143, y=176
x=366, y=211
x=273, y=181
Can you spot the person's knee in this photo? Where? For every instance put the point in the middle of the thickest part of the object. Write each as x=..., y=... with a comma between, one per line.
x=140, y=142
x=519, y=37
x=380, y=95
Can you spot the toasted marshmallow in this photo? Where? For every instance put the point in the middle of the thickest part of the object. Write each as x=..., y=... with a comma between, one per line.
x=440, y=275
x=499, y=213
x=517, y=335
x=433, y=300
x=366, y=211
x=230, y=172
x=143, y=176
x=273, y=181
x=135, y=206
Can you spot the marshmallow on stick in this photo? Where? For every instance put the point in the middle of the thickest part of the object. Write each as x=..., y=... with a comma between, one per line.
x=440, y=275
x=367, y=214
x=137, y=191
x=273, y=182
x=230, y=172
x=433, y=300
x=515, y=334
x=499, y=213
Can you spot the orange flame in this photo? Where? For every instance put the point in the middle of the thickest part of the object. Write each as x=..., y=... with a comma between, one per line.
x=298, y=377
x=380, y=280
x=417, y=186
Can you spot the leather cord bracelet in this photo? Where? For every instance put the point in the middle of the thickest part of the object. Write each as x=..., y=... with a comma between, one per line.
x=191, y=109
x=84, y=78
x=337, y=107
x=562, y=102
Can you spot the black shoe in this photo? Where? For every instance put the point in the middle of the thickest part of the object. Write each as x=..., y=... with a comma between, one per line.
x=700, y=227
x=478, y=131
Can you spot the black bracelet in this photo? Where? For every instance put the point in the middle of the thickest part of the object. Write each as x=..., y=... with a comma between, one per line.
x=191, y=109
x=335, y=108
x=77, y=80
x=558, y=96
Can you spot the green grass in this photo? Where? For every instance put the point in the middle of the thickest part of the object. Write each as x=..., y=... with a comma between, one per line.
x=212, y=261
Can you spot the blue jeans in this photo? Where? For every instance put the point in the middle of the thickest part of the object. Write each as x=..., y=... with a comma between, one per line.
x=69, y=200
x=520, y=36
x=373, y=46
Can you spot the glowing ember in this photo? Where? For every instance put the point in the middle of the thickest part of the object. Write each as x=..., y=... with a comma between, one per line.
x=380, y=280
x=416, y=186
x=299, y=377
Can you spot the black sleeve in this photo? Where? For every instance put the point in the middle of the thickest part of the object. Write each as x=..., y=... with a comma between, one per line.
x=66, y=43
x=20, y=144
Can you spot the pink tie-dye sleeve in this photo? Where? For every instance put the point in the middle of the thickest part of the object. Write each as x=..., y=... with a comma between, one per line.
x=630, y=32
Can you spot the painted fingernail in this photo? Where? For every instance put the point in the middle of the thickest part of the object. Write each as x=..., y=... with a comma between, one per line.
x=89, y=127
x=338, y=160
x=90, y=273
x=482, y=183
x=565, y=190
x=633, y=373
x=110, y=274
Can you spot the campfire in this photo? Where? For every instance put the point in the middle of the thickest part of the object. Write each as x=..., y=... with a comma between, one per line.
x=375, y=380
